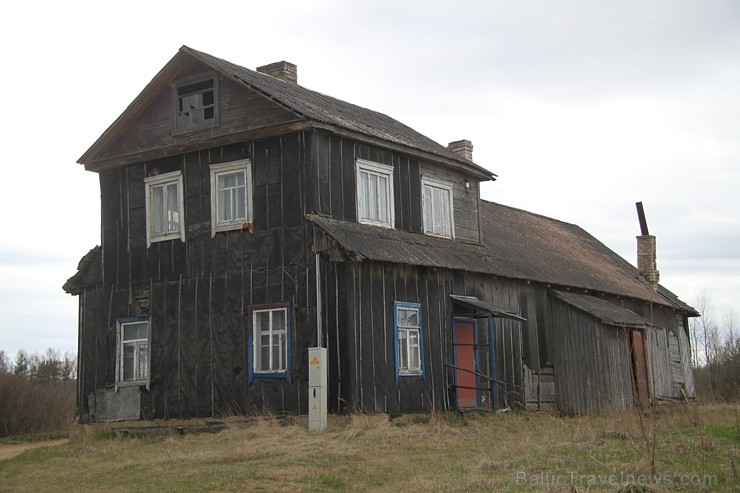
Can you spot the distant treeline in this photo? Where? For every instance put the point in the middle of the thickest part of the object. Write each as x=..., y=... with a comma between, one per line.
x=715, y=346
x=37, y=392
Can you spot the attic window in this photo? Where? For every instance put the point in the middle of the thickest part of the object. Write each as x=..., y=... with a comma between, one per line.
x=195, y=104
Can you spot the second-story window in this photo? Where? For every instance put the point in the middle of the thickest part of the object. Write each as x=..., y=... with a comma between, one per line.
x=437, y=206
x=164, y=207
x=195, y=104
x=374, y=193
x=231, y=196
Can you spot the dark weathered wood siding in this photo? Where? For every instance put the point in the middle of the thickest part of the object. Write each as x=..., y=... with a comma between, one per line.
x=335, y=188
x=465, y=201
x=197, y=292
x=592, y=363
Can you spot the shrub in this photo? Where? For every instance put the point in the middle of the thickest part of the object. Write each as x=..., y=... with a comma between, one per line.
x=28, y=406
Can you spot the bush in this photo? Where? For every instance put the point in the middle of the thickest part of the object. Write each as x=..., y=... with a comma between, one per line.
x=35, y=399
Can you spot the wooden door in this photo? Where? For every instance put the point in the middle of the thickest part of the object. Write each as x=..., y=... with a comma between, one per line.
x=466, y=364
x=639, y=368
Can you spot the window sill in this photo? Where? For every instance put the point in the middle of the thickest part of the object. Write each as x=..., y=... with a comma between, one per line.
x=377, y=224
x=410, y=374
x=281, y=375
x=132, y=383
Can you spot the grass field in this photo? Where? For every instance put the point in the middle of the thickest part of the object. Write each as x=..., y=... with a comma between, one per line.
x=696, y=448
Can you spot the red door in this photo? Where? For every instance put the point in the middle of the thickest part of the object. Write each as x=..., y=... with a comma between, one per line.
x=639, y=368
x=466, y=380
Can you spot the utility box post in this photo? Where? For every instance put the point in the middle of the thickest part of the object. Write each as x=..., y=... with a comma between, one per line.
x=317, y=376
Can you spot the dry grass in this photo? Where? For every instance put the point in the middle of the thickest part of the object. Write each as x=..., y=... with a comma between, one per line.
x=451, y=453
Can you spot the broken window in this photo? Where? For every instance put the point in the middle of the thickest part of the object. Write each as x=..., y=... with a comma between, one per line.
x=196, y=104
x=231, y=196
x=374, y=193
x=164, y=207
x=408, y=339
x=437, y=206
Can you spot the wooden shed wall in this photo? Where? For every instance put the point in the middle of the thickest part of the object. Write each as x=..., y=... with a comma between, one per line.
x=592, y=363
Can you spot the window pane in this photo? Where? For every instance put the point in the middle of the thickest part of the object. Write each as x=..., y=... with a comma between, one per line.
x=133, y=331
x=173, y=208
x=408, y=317
x=224, y=206
x=129, y=361
x=276, y=354
x=158, y=209
x=382, y=199
x=372, y=197
x=208, y=98
x=143, y=366
x=364, y=213
x=403, y=363
x=413, y=338
x=240, y=208
x=264, y=362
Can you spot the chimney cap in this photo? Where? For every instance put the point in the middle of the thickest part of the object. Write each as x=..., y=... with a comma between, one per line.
x=281, y=70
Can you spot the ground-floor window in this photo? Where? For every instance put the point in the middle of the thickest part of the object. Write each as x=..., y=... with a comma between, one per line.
x=270, y=340
x=132, y=351
x=408, y=336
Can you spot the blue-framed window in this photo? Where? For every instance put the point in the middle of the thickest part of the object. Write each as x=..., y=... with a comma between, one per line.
x=133, y=351
x=269, y=345
x=409, y=339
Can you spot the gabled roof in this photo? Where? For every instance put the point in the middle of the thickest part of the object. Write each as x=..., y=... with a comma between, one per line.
x=516, y=244
x=324, y=111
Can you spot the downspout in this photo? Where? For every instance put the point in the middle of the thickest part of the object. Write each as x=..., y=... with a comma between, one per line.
x=318, y=301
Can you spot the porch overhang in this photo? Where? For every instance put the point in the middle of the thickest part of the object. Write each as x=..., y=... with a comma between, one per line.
x=482, y=309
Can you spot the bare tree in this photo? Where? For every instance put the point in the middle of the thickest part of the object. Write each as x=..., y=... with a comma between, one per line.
x=4, y=362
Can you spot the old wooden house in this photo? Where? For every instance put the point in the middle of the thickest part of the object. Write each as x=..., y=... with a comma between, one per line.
x=243, y=215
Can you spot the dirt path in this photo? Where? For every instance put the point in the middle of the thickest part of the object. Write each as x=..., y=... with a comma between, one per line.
x=10, y=451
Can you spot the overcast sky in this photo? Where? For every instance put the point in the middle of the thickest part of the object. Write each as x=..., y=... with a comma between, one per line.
x=581, y=107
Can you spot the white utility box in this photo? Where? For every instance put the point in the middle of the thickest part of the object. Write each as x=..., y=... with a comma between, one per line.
x=317, y=378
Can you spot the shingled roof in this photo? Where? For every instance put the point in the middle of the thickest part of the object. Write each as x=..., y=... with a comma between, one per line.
x=516, y=244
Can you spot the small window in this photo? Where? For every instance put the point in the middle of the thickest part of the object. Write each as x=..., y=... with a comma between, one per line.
x=164, y=207
x=374, y=193
x=270, y=345
x=408, y=335
x=437, y=205
x=132, y=352
x=231, y=196
x=195, y=104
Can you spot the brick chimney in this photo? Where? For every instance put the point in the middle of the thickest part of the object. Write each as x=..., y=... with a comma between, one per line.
x=281, y=70
x=647, y=266
x=463, y=148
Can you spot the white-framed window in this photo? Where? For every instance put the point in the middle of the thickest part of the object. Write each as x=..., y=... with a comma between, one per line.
x=270, y=345
x=164, y=207
x=375, y=193
x=132, y=351
x=196, y=104
x=437, y=207
x=408, y=335
x=231, y=195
